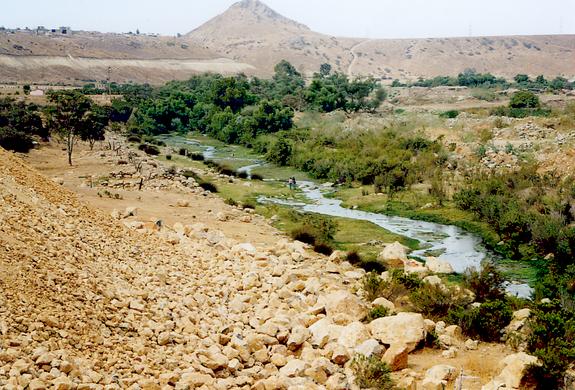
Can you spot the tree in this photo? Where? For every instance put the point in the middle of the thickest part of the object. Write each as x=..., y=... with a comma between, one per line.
x=521, y=78
x=324, y=70
x=280, y=152
x=67, y=115
x=524, y=99
x=94, y=125
x=26, y=88
x=288, y=81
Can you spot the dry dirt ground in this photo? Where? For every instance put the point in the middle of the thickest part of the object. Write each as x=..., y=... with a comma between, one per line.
x=480, y=365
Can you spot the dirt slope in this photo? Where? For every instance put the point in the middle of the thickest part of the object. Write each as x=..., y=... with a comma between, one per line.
x=251, y=32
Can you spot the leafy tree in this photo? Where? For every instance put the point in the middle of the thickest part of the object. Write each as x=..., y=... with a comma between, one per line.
x=280, y=152
x=521, y=78
x=94, y=125
x=26, y=88
x=288, y=81
x=324, y=70
x=17, y=141
x=66, y=116
x=232, y=92
x=524, y=99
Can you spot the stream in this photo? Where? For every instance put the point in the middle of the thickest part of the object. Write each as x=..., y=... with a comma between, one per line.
x=449, y=243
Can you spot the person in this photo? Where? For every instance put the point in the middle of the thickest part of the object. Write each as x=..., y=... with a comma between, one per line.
x=290, y=183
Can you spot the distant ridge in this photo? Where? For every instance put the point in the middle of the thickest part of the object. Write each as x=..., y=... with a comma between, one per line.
x=251, y=38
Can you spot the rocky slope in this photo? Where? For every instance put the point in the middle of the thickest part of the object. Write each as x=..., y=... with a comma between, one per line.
x=89, y=302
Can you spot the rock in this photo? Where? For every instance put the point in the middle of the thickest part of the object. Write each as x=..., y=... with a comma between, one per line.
x=438, y=266
x=436, y=377
x=414, y=267
x=340, y=355
x=322, y=332
x=183, y=203
x=222, y=217
x=130, y=212
x=353, y=335
x=513, y=372
x=396, y=357
x=37, y=384
x=194, y=379
x=337, y=382
x=471, y=345
x=343, y=302
x=370, y=348
x=451, y=353
x=63, y=383
x=279, y=360
x=412, y=330
x=45, y=359
x=384, y=303
x=297, y=337
x=338, y=256
x=393, y=254
x=294, y=367
x=433, y=280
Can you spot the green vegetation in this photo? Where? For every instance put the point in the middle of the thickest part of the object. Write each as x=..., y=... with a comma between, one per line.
x=371, y=373
x=19, y=124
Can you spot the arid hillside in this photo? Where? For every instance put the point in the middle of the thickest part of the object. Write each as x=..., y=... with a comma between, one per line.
x=251, y=32
x=251, y=38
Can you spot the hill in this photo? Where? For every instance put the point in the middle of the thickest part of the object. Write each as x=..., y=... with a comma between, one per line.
x=251, y=38
x=251, y=32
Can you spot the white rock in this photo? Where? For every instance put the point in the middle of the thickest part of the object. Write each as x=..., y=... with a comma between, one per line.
x=343, y=302
x=370, y=348
x=403, y=328
x=437, y=376
x=353, y=335
x=294, y=367
x=385, y=303
x=514, y=369
x=438, y=266
x=392, y=252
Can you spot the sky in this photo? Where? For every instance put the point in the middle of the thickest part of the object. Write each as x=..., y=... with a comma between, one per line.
x=351, y=18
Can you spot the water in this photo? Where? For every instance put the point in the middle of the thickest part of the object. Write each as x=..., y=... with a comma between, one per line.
x=459, y=248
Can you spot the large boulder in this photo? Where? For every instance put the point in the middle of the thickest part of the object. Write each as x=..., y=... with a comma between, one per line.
x=393, y=254
x=438, y=266
x=513, y=372
x=436, y=377
x=396, y=357
x=402, y=329
x=324, y=331
x=344, y=303
x=353, y=335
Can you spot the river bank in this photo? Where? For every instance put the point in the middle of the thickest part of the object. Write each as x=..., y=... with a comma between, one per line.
x=427, y=233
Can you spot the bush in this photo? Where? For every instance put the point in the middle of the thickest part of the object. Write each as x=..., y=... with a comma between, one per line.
x=377, y=312
x=371, y=373
x=183, y=152
x=485, y=322
x=524, y=99
x=249, y=204
x=373, y=286
x=353, y=257
x=451, y=114
x=192, y=174
x=304, y=234
x=552, y=340
x=323, y=248
x=242, y=174
x=168, y=157
x=15, y=140
x=227, y=171
x=196, y=156
x=134, y=138
x=151, y=150
x=207, y=186
x=255, y=176
x=231, y=202
x=435, y=301
x=486, y=284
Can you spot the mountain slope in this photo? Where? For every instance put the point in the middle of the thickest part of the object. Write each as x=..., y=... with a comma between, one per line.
x=251, y=32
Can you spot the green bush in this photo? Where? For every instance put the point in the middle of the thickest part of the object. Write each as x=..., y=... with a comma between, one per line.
x=485, y=322
x=255, y=176
x=196, y=156
x=168, y=157
x=371, y=373
x=242, y=174
x=435, y=301
x=151, y=150
x=134, y=138
x=451, y=114
x=305, y=234
x=487, y=284
x=373, y=286
x=552, y=340
x=249, y=204
x=230, y=202
x=15, y=140
x=524, y=99
x=376, y=312
x=207, y=186
x=323, y=248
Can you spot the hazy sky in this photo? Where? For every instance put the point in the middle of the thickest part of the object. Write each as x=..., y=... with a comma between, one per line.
x=357, y=18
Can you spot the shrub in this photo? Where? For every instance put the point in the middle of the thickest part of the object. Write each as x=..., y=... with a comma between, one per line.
x=168, y=157
x=323, y=248
x=451, y=114
x=207, y=186
x=191, y=174
x=485, y=322
x=231, y=202
x=486, y=284
x=353, y=257
x=183, y=152
x=134, y=138
x=224, y=170
x=435, y=301
x=552, y=340
x=304, y=234
x=249, y=204
x=524, y=99
x=376, y=312
x=196, y=156
x=255, y=176
x=371, y=373
x=373, y=286
x=151, y=150
x=242, y=174
x=15, y=140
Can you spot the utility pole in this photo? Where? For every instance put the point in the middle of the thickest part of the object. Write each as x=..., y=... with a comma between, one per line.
x=109, y=76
